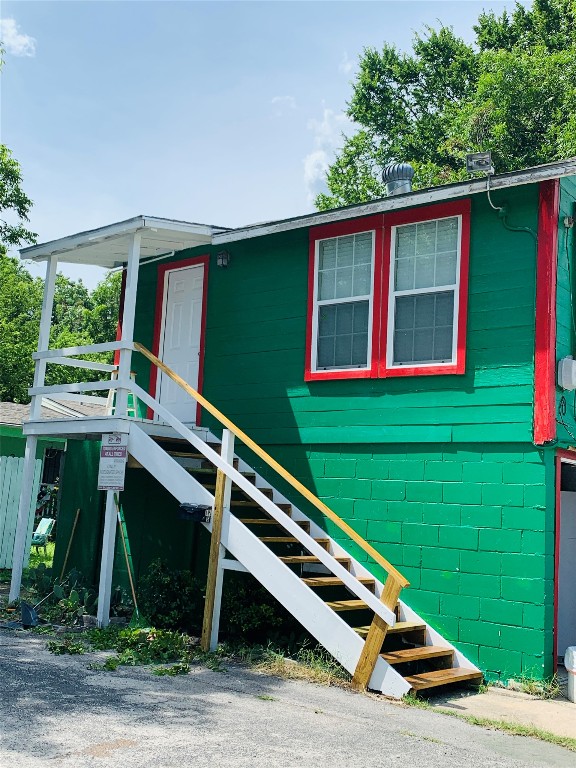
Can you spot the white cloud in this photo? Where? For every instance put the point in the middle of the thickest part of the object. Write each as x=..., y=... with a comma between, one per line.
x=282, y=104
x=327, y=140
x=15, y=42
x=346, y=64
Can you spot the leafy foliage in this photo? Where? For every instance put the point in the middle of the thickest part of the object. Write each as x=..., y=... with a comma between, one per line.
x=13, y=201
x=79, y=317
x=511, y=93
x=171, y=599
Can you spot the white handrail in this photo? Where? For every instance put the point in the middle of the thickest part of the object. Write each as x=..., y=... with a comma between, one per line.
x=271, y=508
x=83, y=386
x=73, y=362
x=90, y=349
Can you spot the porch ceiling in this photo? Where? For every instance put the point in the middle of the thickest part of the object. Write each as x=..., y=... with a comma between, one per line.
x=109, y=246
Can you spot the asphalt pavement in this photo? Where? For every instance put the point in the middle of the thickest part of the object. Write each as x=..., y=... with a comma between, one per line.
x=54, y=711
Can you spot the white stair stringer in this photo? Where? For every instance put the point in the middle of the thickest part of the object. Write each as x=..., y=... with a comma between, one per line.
x=339, y=639
x=406, y=613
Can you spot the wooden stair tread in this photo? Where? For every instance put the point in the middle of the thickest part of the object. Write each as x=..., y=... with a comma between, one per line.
x=442, y=677
x=400, y=626
x=303, y=559
x=290, y=540
x=332, y=581
x=269, y=521
x=347, y=605
x=416, y=654
x=255, y=505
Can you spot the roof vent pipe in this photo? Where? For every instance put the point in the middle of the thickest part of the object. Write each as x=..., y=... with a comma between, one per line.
x=398, y=178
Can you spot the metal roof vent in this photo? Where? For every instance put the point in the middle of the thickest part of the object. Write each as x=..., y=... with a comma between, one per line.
x=398, y=178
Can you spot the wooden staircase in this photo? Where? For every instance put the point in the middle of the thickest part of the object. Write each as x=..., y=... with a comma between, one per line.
x=408, y=645
x=361, y=621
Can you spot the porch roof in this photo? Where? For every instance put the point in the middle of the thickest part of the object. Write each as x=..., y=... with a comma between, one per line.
x=109, y=246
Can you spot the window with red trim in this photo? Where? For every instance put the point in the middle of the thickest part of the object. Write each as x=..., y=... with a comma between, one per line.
x=388, y=294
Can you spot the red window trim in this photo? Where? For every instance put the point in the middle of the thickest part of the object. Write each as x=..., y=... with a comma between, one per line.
x=163, y=270
x=339, y=229
x=413, y=216
x=545, y=333
x=381, y=224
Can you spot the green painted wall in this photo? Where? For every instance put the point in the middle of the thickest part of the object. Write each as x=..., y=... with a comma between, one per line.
x=438, y=472
x=78, y=491
x=566, y=314
x=13, y=442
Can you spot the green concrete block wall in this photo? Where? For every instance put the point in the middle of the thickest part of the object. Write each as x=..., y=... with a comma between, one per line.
x=482, y=575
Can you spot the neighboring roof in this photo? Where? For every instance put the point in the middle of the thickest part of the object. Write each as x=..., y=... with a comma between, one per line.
x=421, y=197
x=14, y=414
x=109, y=246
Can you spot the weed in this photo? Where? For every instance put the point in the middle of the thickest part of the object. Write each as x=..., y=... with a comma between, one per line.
x=421, y=736
x=173, y=670
x=312, y=664
x=542, y=689
x=411, y=700
x=67, y=645
x=266, y=697
x=103, y=638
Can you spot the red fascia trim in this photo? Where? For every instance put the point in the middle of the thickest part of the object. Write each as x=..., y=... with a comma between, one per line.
x=120, y=313
x=428, y=213
x=339, y=229
x=545, y=334
x=163, y=269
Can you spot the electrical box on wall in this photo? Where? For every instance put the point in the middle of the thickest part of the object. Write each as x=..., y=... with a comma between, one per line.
x=567, y=373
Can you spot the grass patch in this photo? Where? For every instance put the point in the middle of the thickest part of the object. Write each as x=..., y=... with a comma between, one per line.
x=266, y=697
x=312, y=664
x=514, y=729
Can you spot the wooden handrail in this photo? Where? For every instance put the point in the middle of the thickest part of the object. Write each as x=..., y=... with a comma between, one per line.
x=284, y=474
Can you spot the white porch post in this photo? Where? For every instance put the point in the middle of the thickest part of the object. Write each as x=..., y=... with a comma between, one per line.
x=31, y=441
x=107, y=561
x=109, y=537
x=128, y=322
x=227, y=453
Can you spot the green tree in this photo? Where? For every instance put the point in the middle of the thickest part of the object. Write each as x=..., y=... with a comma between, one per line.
x=13, y=202
x=513, y=93
x=79, y=317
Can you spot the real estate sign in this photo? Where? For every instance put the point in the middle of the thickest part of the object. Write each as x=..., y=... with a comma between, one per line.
x=113, y=456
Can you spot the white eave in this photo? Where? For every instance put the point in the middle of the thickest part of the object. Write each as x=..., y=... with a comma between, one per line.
x=109, y=246
x=421, y=197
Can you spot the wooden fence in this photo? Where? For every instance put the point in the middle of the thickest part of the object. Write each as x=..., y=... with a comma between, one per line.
x=10, y=486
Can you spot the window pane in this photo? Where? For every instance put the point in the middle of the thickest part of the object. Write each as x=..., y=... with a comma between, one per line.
x=361, y=280
x=345, y=251
x=424, y=277
x=447, y=235
x=327, y=254
x=327, y=284
x=423, y=328
x=425, y=238
x=406, y=241
x=343, y=335
x=363, y=248
x=404, y=279
x=345, y=266
x=344, y=283
x=445, y=269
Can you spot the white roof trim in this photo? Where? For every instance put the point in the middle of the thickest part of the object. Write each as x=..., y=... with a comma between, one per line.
x=106, y=245
x=421, y=197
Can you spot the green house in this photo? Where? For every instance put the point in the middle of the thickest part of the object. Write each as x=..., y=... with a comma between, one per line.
x=399, y=360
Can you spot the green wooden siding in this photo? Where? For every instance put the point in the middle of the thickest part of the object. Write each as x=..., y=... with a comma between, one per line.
x=255, y=346
x=565, y=330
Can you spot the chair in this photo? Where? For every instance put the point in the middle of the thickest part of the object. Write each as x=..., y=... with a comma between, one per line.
x=42, y=532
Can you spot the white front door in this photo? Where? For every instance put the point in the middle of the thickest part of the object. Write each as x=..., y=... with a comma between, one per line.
x=180, y=339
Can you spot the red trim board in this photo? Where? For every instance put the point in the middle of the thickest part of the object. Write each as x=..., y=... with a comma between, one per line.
x=339, y=229
x=545, y=333
x=163, y=270
x=412, y=216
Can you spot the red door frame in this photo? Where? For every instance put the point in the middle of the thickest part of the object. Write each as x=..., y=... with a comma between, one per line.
x=161, y=281
x=571, y=457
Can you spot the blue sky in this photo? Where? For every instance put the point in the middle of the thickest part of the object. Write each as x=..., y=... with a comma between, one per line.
x=215, y=112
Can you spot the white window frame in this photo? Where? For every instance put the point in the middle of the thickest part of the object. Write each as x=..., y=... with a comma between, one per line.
x=392, y=294
x=318, y=303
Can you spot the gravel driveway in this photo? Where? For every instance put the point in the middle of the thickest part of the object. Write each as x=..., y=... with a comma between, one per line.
x=56, y=712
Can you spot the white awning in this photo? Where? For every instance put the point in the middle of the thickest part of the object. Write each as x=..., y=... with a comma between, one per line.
x=109, y=246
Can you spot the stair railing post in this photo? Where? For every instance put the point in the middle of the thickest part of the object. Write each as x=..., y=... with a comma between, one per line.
x=375, y=637
x=214, y=579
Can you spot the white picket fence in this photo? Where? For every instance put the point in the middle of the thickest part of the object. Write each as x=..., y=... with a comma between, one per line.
x=10, y=485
